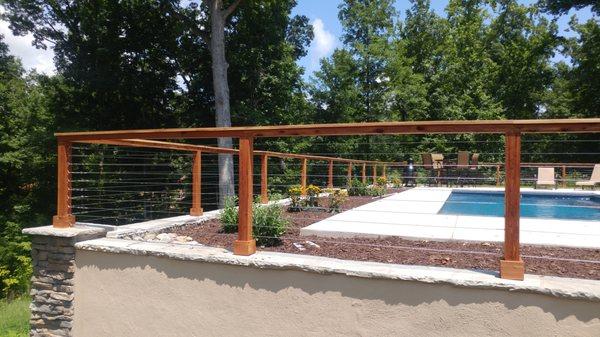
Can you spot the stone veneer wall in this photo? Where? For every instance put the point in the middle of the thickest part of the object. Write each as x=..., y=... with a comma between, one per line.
x=52, y=295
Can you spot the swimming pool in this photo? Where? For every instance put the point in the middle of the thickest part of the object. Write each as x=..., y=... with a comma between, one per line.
x=533, y=205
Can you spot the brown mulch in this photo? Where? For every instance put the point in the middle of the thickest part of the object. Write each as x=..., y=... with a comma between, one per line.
x=541, y=260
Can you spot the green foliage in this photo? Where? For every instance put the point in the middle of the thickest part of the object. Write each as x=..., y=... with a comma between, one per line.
x=268, y=222
x=336, y=198
x=395, y=179
x=295, y=193
x=229, y=215
x=15, y=263
x=381, y=186
x=312, y=196
x=14, y=317
x=358, y=188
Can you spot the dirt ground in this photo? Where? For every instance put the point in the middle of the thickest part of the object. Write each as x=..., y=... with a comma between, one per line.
x=541, y=260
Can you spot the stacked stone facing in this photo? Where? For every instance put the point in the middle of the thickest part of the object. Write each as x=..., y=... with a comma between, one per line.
x=52, y=294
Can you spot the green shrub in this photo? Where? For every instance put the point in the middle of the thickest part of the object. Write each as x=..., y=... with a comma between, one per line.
x=15, y=262
x=268, y=224
x=396, y=179
x=377, y=191
x=295, y=193
x=312, y=196
x=358, y=188
x=381, y=188
x=336, y=198
x=229, y=215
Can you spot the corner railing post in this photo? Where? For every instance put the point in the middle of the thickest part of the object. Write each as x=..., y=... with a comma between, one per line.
x=264, y=179
x=364, y=173
x=245, y=243
x=303, y=176
x=511, y=266
x=196, y=209
x=330, y=175
x=63, y=218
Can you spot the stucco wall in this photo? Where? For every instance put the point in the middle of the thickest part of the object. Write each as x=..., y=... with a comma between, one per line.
x=129, y=295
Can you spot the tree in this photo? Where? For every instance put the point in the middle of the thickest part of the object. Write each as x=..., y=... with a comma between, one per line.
x=584, y=51
x=521, y=43
x=368, y=26
x=26, y=166
x=218, y=16
x=116, y=59
x=463, y=85
x=558, y=7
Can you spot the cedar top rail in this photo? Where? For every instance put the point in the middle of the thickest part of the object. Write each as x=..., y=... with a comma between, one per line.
x=511, y=265
x=212, y=149
x=376, y=128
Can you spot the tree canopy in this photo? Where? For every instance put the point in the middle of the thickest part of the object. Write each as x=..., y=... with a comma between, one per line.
x=147, y=64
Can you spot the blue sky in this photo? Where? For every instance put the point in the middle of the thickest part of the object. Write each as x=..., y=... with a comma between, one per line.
x=326, y=26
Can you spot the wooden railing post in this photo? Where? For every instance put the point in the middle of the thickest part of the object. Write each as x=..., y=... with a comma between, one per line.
x=497, y=175
x=511, y=266
x=264, y=179
x=364, y=173
x=330, y=175
x=303, y=176
x=196, y=209
x=245, y=243
x=349, y=174
x=384, y=173
x=564, y=176
x=374, y=174
x=63, y=218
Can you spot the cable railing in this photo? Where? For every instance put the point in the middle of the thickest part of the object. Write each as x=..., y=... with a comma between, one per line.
x=144, y=176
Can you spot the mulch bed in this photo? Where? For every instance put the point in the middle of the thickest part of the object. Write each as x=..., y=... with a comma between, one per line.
x=541, y=260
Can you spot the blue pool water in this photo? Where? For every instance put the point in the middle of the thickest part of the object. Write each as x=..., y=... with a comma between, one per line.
x=548, y=206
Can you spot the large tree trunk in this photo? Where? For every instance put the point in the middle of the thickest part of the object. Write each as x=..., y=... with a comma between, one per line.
x=221, y=88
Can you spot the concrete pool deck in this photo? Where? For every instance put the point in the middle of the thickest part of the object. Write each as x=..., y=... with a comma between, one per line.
x=413, y=214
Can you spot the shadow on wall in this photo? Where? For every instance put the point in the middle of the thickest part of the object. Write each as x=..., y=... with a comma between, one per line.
x=391, y=292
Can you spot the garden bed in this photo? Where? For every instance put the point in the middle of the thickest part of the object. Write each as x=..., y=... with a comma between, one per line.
x=557, y=261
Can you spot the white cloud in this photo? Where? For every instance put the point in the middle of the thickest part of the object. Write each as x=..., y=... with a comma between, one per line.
x=323, y=44
x=31, y=57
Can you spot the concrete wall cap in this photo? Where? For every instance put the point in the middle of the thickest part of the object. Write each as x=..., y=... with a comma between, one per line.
x=70, y=232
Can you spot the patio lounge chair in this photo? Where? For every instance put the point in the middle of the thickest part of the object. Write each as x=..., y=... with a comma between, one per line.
x=594, y=179
x=438, y=166
x=545, y=177
x=462, y=165
x=474, y=173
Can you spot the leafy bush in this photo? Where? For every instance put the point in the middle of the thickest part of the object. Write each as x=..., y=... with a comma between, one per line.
x=295, y=193
x=15, y=263
x=268, y=224
x=358, y=188
x=377, y=191
x=312, y=196
x=381, y=188
x=229, y=215
x=396, y=179
x=336, y=198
